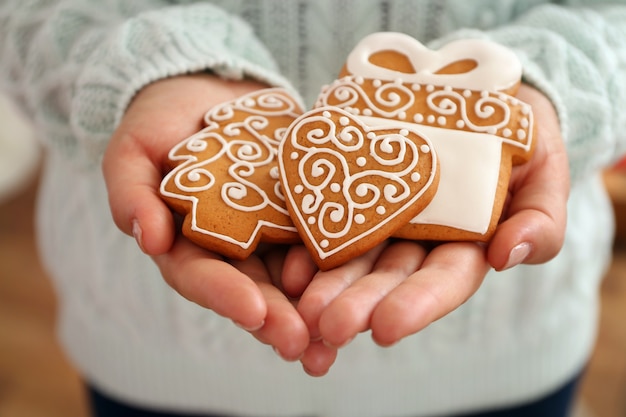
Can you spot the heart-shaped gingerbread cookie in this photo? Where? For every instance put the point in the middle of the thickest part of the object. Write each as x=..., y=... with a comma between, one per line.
x=348, y=186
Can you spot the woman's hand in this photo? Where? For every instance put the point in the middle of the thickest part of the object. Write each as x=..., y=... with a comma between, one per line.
x=160, y=116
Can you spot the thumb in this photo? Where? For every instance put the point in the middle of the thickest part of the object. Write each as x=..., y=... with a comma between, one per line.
x=132, y=181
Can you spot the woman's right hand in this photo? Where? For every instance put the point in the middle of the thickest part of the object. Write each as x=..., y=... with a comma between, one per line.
x=248, y=292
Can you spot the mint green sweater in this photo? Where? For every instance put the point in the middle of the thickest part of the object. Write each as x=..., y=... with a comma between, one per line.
x=75, y=65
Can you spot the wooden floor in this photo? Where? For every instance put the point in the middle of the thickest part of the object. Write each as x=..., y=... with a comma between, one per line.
x=37, y=381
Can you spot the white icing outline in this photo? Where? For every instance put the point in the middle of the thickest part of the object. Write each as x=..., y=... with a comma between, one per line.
x=313, y=201
x=270, y=102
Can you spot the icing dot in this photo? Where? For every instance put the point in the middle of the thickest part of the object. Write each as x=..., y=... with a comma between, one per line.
x=430, y=119
x=359, y=80
x=298, y=189
x=492, y=130
x=430, y=88
x=398, y=81
x=249, y=102
x=507, y=133
x=402, y=115
x=361, y=161
x=416, y=87
x=526, y=109
x=376, y=83
x=354, y=111
x=335, y=188
x=484, y=94
x=460, y=124
x=524, y=123
x=336, y=216
x=425, y=148
x=246, y=150
x=294, y=155
x=381, y=210
x=324, y=243
x=359, y=219
x=521, y=134
x=419, y=118
x=447, y=88
x=371, y=135
x=404, y=132
x=311, y=220
x=514, y=101
x=193, y=176
x=274, y=173
x=367, y=112
x=237, y=193
x=467, y=93
x=344, y=121
x=326, y=114
x=415, y=177
x=441, y=120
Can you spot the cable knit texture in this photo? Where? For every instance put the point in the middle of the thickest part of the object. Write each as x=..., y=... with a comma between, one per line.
x=74, y=65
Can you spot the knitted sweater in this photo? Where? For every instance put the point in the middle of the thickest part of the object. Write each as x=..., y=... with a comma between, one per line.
x=75, y=64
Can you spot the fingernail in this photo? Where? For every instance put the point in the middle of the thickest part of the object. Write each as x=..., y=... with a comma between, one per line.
x=249, y=328
x=285, y=357
x=383, y=344
x=338, y=346
x=518, y=255
x=313, y=374
x=138, y=234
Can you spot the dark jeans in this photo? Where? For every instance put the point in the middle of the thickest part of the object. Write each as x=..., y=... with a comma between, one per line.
x=556, y=404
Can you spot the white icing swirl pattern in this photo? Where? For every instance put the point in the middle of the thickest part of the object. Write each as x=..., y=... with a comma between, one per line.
x=348, y=181
x=233, y=159
x=474, y=111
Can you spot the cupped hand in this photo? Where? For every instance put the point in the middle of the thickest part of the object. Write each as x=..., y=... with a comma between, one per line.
x=161, y=115
x=400, y=287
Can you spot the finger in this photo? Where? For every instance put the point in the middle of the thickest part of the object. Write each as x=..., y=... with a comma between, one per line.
x=534, y=229
x=205, y=279
x=132, y=181
x=450, y=274
x=318, y=358
x=327, y=285
x=299, y=270
x=350, y=312
x=274, y=260
x=283, y=328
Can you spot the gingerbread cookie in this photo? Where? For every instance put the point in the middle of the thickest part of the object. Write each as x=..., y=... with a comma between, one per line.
x=225, y=177
x=349, y=186
x=461, y=98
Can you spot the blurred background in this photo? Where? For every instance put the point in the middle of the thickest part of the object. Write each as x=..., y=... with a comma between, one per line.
x=36, y=380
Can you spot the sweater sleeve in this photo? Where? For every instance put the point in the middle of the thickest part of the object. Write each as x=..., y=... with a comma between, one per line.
x=76, y=64
x=577, y=57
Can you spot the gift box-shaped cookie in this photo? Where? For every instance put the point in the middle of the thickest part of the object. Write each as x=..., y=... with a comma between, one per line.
x=460, y=97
